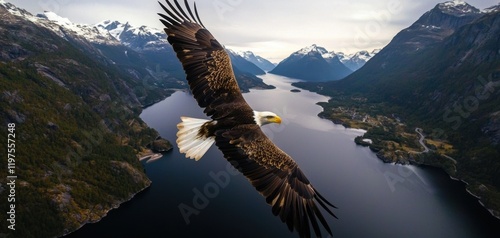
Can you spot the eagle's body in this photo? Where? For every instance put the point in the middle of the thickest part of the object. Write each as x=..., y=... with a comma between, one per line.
x=235, y=127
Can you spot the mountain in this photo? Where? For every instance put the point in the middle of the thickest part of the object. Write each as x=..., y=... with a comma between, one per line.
x=147, y=63
x=262, y=63
x=141, y=52
x=357, y=60
x=76, y=123
x=244, y=65
x=492, y=9
x=313, y=63
x=430, y=29
x=156, y=54
x=141, y=38
x=442, y=74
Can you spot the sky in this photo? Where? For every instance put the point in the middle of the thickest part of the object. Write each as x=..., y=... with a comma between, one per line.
x=271, y=29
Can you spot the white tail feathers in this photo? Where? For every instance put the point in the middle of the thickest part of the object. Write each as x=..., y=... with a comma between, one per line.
x=190, y=141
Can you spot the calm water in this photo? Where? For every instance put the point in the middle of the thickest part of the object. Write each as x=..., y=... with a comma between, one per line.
x=374, y=199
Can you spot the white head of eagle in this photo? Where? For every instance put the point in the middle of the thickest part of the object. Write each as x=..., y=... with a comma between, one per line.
x=263, y=118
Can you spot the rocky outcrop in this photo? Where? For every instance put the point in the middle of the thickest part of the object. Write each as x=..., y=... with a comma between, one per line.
x=160, y=145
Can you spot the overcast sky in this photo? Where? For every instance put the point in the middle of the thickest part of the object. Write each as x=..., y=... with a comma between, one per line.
x=272, y=29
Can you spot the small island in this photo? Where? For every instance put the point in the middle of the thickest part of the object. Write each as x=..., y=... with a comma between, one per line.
x=295, y=90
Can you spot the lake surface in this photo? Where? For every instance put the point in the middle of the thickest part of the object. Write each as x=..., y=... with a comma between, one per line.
x=374, y=199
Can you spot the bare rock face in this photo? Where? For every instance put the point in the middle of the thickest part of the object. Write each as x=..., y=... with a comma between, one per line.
x=161, y=145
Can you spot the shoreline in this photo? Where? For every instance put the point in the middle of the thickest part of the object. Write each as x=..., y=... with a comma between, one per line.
x=113, y=207
x=491, y=211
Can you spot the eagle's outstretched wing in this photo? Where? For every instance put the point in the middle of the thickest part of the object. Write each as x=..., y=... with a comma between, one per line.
x=270, y=170
x=205, y=61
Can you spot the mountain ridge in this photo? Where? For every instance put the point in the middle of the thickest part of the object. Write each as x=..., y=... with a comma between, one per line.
x=262, y=63
x=312, y=63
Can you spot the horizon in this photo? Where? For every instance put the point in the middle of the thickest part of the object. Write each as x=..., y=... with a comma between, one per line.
x=371, y=24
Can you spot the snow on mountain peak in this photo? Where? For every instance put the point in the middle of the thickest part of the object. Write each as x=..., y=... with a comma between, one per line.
x=115, y=28
x=106, y=32
x=312, y=48
x=262, y=63
x=124, y=30
x=457, y=7
x=455, y=3
x=17, y=11
x=51, y=16
x=245, y=54
x=329, y=55
x=356, y=60
x=492, y=9
x=62, y=26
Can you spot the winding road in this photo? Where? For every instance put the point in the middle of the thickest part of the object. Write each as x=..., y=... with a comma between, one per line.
x=426, y=149
x=421, y=140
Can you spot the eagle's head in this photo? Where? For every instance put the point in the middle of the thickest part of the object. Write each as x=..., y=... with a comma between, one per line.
x=263, y=118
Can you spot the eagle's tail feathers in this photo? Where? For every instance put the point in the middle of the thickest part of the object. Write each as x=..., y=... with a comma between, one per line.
x=190, y=140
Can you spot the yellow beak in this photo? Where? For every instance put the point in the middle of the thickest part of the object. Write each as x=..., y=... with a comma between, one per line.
x=276, y=119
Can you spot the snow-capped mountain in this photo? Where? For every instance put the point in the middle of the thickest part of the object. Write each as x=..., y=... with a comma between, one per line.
x=262, y=63
x=312, y=63
x=106, y=32
x=62, y=26
x=492, y=9
x=333, y=65
x=433, y=28
x=311, y=49
x=356, y=60
x=243, y=64
x=138, y=38
x=458, y=8
x=448, y=15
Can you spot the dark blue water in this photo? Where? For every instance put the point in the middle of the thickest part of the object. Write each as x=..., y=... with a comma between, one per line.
x=374, y=199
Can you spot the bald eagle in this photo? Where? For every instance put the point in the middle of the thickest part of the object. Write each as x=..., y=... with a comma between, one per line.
x=234, y=127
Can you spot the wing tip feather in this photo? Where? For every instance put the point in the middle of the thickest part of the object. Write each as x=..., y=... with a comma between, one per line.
x=177, y=15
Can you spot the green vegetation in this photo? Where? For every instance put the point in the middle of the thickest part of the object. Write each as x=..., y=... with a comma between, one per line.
x=72, y=164
x=77, y=132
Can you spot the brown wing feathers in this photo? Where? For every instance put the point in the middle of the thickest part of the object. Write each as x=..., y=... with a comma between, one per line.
x=205, y=61
x=280, y=181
